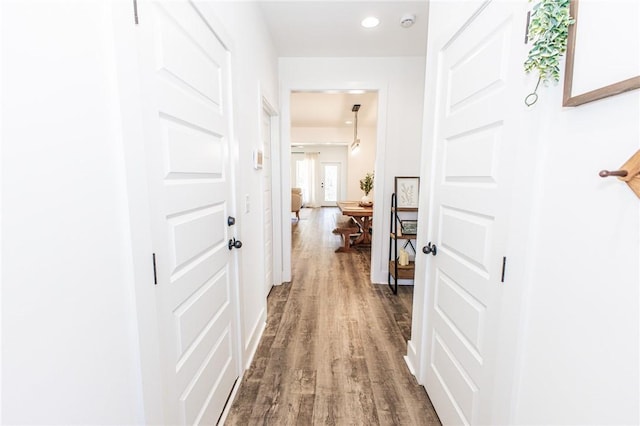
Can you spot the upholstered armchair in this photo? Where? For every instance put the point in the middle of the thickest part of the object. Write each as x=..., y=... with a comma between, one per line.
x=296, y=201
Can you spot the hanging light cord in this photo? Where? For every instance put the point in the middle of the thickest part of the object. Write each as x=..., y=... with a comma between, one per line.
x=355, y=128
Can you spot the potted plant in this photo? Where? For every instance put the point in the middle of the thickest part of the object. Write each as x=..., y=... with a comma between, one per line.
x=366, y=184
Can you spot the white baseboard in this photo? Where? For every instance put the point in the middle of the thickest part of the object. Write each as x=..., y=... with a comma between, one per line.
x=250, y=352
x=411, y=359
x=254, y=339
x=232, y=397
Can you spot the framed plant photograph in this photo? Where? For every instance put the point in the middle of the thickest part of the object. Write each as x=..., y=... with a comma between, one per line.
x=409, y=227
x=407, y=191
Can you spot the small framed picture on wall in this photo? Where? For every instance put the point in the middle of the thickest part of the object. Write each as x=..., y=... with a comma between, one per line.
x=407, y=190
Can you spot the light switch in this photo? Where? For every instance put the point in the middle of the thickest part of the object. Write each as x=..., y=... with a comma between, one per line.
x=247, y=204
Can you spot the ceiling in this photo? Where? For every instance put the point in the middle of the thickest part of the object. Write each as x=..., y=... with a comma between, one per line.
x=331, y=28
x=333, y=109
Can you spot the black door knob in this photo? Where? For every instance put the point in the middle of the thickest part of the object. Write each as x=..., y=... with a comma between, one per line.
x=235, y=243
x=430, y=248
x=231, y=221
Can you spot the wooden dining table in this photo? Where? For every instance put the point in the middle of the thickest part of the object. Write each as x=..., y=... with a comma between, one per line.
x=362, y=215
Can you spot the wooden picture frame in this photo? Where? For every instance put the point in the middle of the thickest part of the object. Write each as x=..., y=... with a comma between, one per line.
x=407, y=189
x=570, y=99
x=409, y=227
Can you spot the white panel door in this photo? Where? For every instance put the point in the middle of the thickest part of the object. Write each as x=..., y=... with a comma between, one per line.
x=185, y=80
x=267, y=202
x=477, y=105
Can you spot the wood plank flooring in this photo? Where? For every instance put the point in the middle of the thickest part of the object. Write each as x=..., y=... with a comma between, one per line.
x=332, y=352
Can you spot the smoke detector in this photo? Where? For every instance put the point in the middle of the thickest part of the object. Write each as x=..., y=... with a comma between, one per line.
x=407, y=20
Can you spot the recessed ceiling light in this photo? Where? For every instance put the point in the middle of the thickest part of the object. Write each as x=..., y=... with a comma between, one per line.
x=348, y=122
x=370, y=22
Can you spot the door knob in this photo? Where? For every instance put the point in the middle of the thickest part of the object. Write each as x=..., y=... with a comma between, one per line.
x=235, y=243
x=231, y=221
x=430, y=248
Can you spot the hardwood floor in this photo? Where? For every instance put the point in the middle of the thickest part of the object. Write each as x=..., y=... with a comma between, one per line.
x=332, y=352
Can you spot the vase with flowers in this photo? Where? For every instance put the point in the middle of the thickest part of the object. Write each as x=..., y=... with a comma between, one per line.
x=366, y=184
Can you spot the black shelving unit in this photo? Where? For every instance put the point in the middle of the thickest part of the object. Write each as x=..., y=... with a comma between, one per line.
x=396, y=271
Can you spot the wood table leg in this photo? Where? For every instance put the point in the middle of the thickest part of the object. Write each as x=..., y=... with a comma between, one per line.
x=364, y=223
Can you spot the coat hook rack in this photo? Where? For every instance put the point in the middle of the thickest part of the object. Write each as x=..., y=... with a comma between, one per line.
x=629, y=172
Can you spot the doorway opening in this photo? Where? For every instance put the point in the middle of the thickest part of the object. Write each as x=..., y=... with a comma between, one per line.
x=323, y=131
x=299, y=139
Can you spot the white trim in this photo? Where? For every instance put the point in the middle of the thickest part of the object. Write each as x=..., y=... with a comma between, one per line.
x=132, y=136
x=1, y=210
x=411, y=359
x=276, y=192
x=254, y=340
x=232, y=397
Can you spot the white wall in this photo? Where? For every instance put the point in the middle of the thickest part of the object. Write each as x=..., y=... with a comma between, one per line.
x=400, y=85
x=358, y=164
x=362, y=162
x=69, y=333
x=580, y=356
x=254, y=67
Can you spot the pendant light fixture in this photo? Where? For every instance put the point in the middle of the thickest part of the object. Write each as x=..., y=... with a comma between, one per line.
x=355, y=145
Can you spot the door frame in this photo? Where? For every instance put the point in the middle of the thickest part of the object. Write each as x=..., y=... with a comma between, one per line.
x=129, y=125
x=314, y=84
x=520, y=246
x=276, y=194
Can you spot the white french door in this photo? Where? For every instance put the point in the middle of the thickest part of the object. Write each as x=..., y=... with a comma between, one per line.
x=477, y=105
x=330, y=184
x=186, y=94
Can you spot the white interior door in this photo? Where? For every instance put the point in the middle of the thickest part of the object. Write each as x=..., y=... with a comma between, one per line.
x=477, y=105
x=330, y=183
x=267, y=202
x=185, y=80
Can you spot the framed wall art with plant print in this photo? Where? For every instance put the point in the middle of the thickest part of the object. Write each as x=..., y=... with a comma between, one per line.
x=407, y=191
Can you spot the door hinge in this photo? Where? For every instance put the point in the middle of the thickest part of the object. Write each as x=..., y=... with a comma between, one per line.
x=504, y=266
x=135, y=11
x=155, y=274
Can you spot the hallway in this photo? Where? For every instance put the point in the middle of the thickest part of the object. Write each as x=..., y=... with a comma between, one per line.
x=332, y=352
